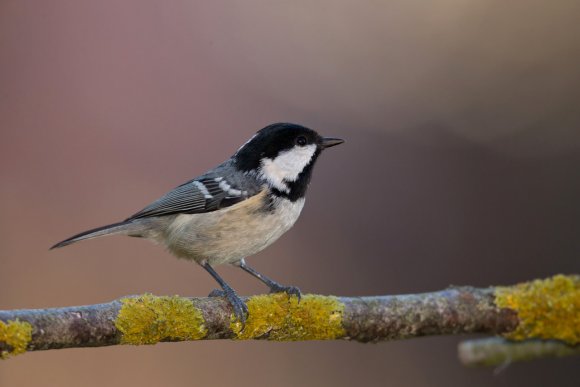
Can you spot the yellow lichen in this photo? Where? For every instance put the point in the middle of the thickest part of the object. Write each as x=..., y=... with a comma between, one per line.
x=547, y=309
x=148, y=319
x=282, y=318
x=16, y=335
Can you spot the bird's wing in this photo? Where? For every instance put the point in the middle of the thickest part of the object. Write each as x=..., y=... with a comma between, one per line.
x=204, y=194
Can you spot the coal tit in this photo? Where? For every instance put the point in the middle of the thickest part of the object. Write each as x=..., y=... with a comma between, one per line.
x=234, y=210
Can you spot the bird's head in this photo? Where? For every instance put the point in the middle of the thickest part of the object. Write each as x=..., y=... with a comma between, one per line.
x=283, y=155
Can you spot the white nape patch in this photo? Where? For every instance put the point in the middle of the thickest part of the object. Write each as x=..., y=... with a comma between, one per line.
x=287, y=166
x=246, y=143
x=203, y=189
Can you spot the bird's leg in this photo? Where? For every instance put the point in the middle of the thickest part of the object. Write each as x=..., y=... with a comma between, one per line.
x=274, y=286
x=239, y=307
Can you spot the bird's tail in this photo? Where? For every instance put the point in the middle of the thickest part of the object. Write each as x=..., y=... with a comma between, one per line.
x=130, y=227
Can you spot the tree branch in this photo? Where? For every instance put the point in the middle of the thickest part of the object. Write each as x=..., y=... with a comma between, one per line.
x=547, y=309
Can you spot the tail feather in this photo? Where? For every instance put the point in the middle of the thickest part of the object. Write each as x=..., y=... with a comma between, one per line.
x=125, y=227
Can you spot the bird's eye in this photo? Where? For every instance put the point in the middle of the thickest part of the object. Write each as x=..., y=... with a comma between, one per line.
x=301, y=140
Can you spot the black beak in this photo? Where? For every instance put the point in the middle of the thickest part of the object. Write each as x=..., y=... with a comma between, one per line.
x=327, y=142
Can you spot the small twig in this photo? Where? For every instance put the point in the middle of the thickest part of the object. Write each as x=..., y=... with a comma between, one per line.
x=496, y=351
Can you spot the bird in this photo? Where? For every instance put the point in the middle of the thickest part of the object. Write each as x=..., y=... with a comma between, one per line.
x=234, y=210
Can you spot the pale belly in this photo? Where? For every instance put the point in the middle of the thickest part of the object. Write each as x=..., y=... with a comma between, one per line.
x=228, y=235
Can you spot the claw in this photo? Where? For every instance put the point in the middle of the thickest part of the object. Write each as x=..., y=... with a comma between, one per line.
x=217, y=293
x=289, y=290
x=239, y=307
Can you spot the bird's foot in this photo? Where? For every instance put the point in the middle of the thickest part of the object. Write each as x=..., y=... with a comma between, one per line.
x=217, y=293
x=289, y=290
x=239, y=307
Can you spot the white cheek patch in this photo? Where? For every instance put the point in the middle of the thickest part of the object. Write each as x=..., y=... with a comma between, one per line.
x=287, y=166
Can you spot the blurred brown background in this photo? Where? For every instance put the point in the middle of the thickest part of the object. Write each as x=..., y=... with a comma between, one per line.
x=461, y=167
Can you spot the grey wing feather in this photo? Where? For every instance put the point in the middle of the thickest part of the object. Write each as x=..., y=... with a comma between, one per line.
x=203, y=194
x=184, y=198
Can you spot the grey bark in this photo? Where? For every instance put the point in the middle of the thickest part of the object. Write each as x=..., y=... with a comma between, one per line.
x=365, y=319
